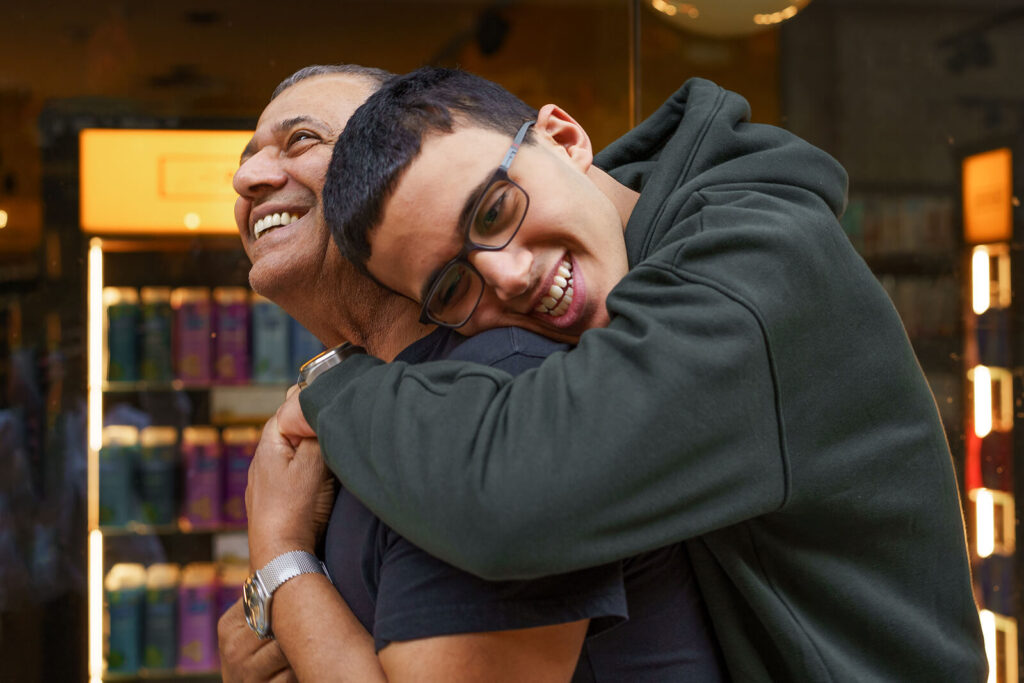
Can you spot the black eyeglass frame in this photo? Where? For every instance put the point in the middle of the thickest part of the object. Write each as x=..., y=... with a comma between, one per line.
x=468, y=246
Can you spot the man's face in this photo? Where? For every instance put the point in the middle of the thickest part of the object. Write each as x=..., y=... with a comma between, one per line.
x=280, y=178
x=570, y=225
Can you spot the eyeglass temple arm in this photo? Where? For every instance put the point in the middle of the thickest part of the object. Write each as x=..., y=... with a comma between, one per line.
x=511, y=153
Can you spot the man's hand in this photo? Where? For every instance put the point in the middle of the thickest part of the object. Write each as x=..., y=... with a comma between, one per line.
x=285, y=499
x=244, y=658
x=290, y=420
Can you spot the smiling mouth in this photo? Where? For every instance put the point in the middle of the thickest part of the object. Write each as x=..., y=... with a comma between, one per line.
x=274, y=220
x=559, y=297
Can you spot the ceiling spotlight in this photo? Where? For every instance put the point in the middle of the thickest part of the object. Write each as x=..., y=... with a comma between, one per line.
x=727, y=18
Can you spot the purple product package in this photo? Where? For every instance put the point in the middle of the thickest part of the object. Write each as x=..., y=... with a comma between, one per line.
x=231, y=577
x=231, y=340
x=193, y=327
x=239, y=444
x=197, y=618
x=201, y=454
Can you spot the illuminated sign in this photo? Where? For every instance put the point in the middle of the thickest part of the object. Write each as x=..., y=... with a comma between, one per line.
x=158, y=181
x=988, y=196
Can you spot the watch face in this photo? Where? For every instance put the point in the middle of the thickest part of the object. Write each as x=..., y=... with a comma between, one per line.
x=255, y=603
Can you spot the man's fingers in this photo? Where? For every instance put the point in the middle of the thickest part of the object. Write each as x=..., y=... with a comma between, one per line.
x=308, y=449
x=268, y=663
x=290, y=419
x=286, y=676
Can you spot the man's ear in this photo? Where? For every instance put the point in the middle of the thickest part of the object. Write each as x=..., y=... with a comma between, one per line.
x=556, y=124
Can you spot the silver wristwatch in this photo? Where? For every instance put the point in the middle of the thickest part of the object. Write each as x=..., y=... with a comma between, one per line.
x=324, y=361
x=260, y=587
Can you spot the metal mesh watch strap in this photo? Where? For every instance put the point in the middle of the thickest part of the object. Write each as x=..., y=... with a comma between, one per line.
x=287, y=566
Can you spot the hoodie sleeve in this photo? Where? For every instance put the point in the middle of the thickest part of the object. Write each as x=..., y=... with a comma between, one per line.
x=660, y=427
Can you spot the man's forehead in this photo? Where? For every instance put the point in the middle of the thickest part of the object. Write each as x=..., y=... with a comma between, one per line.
x=326, y=99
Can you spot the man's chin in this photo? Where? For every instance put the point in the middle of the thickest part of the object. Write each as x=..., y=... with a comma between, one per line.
x=267, y=284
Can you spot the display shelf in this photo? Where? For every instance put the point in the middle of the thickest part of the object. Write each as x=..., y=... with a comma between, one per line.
x=914, y=264
x=139, y=529
x=245, y=404
x=163, y=675
x=178, y=385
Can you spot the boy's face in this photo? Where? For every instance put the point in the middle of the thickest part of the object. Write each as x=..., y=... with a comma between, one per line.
x=570, y=225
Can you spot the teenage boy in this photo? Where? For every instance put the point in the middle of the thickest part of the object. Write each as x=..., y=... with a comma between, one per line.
x=753, y=393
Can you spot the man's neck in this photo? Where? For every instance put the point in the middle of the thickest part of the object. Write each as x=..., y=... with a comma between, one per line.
x=365, y=315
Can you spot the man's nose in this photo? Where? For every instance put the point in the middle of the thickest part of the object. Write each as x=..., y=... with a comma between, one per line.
x=259, y=173
x=507, y=270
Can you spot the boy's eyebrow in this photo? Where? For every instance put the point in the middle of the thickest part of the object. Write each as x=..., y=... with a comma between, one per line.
x=280, y=127
x=464, y=216
x=472, y=200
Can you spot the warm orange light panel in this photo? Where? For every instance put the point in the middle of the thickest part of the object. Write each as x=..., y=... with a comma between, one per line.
x=158, y=181
x=987, y=195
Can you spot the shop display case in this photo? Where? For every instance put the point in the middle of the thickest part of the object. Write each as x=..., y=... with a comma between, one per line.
x=908, y=237
x=993, y=364
x=184, y=365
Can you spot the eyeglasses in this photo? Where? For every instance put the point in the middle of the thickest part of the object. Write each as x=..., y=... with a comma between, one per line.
x=454, y=293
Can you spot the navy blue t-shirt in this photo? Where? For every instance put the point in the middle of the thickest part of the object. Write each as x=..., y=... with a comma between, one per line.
x=647, y=619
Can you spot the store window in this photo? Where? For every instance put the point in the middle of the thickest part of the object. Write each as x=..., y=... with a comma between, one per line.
x=124, y=440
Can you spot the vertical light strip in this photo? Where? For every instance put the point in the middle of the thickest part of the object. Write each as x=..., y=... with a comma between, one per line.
x=95, y=375
x=988, y=630
x=980, y=279
x=1002, y=387
x=95, y=605
x=94, y=429
x=1004, y=295
x=982, y=401
x=985, y=521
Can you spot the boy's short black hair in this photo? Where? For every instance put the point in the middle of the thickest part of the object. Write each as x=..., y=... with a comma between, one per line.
x=385, y=135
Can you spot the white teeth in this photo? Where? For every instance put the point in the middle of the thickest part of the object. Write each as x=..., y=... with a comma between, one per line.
x=273, y=221
x=559, y=297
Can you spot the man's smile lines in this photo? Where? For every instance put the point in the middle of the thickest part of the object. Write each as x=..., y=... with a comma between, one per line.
x=557, y=301
x=274, y=220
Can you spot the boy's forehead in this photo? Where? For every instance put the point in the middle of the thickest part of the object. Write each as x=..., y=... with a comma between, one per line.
x=448, y=165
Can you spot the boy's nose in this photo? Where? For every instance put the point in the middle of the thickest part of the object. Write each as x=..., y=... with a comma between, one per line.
x=506, y=271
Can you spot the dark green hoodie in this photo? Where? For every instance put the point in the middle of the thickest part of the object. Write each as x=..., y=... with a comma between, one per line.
x=754, y=395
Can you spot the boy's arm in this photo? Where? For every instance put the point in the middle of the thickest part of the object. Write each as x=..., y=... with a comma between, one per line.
x=324, y=641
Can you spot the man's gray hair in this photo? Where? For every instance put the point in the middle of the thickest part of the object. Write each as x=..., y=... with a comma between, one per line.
x=377, y=76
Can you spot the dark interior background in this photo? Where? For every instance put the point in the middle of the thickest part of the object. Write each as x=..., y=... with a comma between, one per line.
x=897, y=90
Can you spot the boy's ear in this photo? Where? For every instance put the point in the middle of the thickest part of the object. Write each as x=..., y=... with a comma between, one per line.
x=554, y=123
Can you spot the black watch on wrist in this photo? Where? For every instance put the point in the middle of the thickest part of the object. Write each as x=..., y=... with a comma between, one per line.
x=324, y=361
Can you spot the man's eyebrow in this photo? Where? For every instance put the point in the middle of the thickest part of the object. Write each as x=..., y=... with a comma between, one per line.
x=286, y=124
x=250, y=149
x=281, y=127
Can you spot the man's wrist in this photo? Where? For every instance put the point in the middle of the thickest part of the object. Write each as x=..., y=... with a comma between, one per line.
x=260, y=554
x=259, y=589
